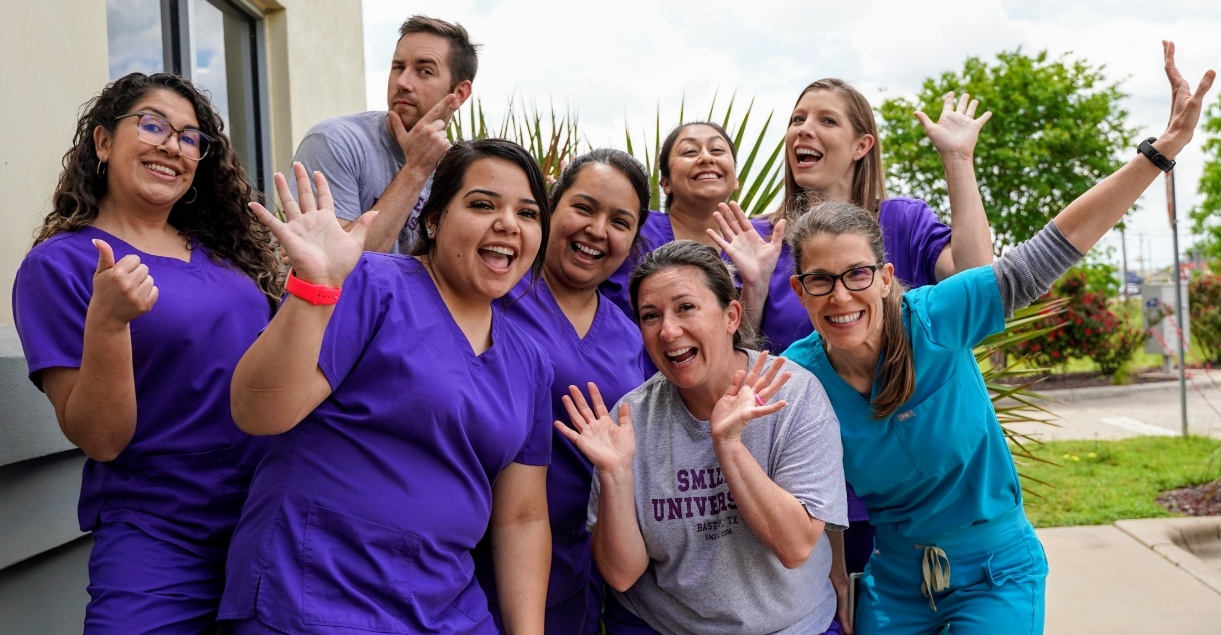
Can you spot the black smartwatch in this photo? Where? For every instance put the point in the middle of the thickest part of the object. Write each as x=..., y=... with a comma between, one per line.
x=1158, y=159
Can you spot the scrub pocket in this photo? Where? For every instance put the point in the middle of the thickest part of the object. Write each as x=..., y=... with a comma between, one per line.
x=355, y=572
x=941, y=433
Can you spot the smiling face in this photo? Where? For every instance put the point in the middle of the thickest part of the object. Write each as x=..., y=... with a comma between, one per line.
x=141, y=176
x=702, y=170
x=821, y=146
x=419, y=76
x=592, y=228
x=845, y=319
x=489, y=234
x=686, y=331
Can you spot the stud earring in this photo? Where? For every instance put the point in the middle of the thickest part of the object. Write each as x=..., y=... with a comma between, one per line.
x=431, y=231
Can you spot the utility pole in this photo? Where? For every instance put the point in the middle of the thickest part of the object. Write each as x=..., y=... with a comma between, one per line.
x=1178, y=297
x=1123, y=249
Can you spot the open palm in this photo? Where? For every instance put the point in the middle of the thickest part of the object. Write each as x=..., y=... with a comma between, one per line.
x=957, y=129
x=321, y=251
x=609, y=446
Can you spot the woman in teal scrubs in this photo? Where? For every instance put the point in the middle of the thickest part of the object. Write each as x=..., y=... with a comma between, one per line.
x=954, y=552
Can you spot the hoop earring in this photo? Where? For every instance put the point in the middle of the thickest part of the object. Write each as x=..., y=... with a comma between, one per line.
x=194, y=195
x=101, y=169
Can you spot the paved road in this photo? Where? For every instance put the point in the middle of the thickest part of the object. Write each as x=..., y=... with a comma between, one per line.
x=1119, y=412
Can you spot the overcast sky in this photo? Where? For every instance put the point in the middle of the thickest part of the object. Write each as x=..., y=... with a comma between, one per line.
x=618, y=61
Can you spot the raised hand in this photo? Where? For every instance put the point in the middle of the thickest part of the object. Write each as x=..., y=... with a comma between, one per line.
x=1185, y=105
x=321, y=251
x=608, y=446
x=425, y=144
x=754, y=257
x=122, y=291
x=957, y=129
x=747, y=398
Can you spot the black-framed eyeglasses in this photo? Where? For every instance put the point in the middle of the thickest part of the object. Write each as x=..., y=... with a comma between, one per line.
x=854, y=279
x=155, y=130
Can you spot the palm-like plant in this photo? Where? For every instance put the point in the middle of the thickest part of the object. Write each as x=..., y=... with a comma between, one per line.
x=553, y=136
x=1017, y=402
x=760, y=170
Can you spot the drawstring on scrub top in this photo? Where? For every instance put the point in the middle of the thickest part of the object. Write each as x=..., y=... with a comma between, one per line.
x=935, y=566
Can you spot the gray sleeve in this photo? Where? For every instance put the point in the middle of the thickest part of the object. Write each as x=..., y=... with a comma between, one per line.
x=322, y=151
x=1027, y=271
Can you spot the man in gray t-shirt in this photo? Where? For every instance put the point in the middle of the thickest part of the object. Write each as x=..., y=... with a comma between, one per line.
x=708, y=573
x=384, y=160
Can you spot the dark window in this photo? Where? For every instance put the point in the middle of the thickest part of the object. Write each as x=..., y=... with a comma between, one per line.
x=215, y=43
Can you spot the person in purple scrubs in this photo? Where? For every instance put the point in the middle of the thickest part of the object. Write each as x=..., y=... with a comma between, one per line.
x=148, y=280
x=409, y=416
x=597, y=206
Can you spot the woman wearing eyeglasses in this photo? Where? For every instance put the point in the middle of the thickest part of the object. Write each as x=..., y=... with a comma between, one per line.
x=954, y=551
x=146, y=283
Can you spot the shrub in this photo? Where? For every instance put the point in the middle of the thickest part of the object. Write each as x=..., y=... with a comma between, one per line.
x=1086, y=328
x=1205, y=315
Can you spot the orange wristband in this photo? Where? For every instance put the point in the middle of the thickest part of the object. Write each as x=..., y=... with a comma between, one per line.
x=313, y=293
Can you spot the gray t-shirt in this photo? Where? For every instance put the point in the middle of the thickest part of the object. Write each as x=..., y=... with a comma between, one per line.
x=708, y=573
x=359, y=157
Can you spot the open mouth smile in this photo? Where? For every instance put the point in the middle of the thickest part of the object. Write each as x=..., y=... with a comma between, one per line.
x=498, y=256
x=807, y=156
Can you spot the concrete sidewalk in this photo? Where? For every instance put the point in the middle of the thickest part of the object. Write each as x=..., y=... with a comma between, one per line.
x=1104, y=579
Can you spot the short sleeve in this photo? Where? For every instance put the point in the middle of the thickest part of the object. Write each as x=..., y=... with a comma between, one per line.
x=810, y=461
x=50, y=300
x=915, y=238
x=537, y=449
x=358, y=316
x=960, y=311
x=319, y=151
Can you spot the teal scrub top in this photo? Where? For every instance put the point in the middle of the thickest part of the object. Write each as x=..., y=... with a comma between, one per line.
x=940, y=463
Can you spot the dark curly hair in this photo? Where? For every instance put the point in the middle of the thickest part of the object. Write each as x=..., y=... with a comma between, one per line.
x=216, y=218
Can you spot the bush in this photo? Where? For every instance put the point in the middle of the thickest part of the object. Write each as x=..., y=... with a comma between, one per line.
x=1205, y=314
x=1086, y=328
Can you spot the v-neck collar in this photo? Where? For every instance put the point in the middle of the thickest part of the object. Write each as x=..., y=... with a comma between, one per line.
x=191, y=266
x=548, y=299
x=477, y=361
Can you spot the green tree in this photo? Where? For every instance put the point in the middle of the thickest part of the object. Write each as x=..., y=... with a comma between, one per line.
x=1204, y=217
x=1056, y=131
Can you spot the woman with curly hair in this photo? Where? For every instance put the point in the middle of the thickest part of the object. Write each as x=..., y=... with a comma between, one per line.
x=146, y=283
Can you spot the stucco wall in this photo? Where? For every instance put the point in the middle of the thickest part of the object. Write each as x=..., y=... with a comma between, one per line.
x=53, y=58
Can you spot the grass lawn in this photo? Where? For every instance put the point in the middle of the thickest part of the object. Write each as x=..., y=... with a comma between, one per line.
x=1103, y=481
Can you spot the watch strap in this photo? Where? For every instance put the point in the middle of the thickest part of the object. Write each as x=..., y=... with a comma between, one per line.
x=1146, y=148
x=315, y=294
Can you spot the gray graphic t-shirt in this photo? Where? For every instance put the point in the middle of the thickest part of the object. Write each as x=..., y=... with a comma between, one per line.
x=708, y=572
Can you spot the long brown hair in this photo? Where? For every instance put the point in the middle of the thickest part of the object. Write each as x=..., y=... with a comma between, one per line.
x=838, y=218
x=868, y=176
x=216, y=217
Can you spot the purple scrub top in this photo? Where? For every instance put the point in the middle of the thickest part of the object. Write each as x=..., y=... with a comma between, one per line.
x=655, y=231
x=611, y=356
x=363, y=516
x=185, y=473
